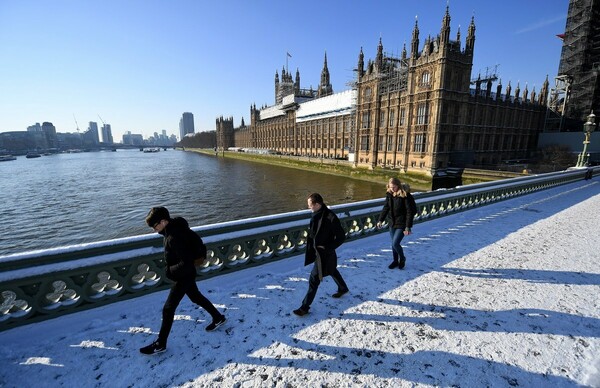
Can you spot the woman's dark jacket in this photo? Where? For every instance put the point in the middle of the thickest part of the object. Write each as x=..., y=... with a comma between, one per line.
x=325, y=231
x=401, y=211
x=182, y=247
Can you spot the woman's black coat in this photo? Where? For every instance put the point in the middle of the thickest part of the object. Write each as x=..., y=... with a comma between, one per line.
x=401, y=211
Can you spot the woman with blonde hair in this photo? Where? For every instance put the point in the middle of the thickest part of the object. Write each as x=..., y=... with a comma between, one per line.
x=400, y=209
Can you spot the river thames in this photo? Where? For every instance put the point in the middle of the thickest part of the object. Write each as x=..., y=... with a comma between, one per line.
x=68, y=199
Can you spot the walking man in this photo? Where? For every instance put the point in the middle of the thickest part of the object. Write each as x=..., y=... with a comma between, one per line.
x=325, y=235
x=182, y=247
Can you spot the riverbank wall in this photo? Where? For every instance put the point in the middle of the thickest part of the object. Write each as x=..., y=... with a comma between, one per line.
x=340, y=167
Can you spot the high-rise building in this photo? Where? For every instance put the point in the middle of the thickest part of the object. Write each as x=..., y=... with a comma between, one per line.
x=186, y=124
x=107, y=137
x=50, y=133
x=580, y=63
x=90, y=137
x=133, y=139
x=34, y=128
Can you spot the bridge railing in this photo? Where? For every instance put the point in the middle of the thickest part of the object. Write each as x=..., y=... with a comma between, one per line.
x=45, y=284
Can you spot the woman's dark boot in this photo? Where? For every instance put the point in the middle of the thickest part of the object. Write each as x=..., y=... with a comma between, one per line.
x=402, y=263
x=394, y=263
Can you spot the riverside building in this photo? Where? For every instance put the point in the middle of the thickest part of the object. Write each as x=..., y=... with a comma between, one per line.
x=419, y=112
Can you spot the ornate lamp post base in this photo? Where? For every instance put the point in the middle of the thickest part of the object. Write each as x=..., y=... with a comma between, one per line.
x=588, y=128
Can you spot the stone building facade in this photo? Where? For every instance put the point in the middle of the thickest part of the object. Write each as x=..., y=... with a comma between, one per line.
x=419, y=112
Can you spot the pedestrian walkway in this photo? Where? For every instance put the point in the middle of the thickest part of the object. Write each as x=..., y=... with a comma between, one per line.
x=503, y=295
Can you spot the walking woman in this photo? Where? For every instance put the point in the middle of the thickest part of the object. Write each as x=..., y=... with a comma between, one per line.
x=400, y=209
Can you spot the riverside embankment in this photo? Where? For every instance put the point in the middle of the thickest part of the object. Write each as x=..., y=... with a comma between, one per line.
x=418, y=182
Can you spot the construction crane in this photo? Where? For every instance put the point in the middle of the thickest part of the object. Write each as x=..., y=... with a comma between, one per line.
x=491, y=74
x=76, y=122
x=103, y=123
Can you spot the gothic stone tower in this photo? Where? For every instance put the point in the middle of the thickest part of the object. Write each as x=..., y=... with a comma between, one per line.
x=399, y=99
x=286, y=86
x=224, y=132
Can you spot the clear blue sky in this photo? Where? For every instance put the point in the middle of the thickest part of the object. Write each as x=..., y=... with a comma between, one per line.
x=140, y=64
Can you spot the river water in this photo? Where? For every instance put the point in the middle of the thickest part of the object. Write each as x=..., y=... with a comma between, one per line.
x=77, y=198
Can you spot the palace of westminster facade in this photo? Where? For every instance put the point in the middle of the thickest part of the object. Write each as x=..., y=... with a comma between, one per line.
x=416, y=112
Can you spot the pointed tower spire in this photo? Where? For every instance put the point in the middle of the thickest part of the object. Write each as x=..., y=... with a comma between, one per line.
x=499, y=90
x=361, y=64
x=276, y=85
x=544, y=92
x=379, y=57
x=403, y=56
x=414, y=43
x=470, y=44
x=325, y=88
x=445, y=30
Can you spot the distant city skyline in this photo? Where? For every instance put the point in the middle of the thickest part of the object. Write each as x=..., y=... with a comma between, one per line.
x=158, y=60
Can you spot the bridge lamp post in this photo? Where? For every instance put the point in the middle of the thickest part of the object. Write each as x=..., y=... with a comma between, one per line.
x=588, y=128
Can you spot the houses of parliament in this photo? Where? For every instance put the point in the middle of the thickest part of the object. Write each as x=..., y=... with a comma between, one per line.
x=419, y=112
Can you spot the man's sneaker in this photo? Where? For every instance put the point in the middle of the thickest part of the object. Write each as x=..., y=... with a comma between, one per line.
x=393, y=265
x=216, y=323
x=153, y=348
x=339, y=294
x=300, y=312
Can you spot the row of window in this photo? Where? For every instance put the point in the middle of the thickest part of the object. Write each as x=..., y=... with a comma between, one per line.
x=386, y=143
x=305, y=143
x=424, y=80
x=500, y=116
x=446, y=142
x=490, y=143
x=390, y=118
x=340, y=126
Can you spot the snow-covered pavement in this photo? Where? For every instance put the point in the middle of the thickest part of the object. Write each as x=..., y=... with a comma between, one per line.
x=504, y=295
